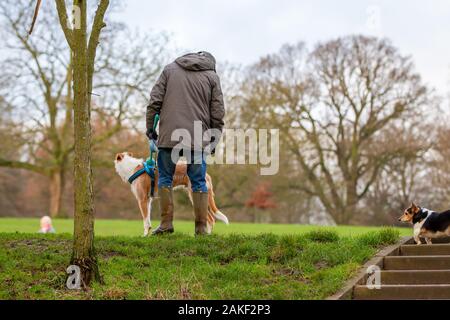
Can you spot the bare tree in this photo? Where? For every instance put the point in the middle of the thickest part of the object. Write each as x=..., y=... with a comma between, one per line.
x=404, y=179
x=333, y=107
x=440, y=166
x=84, y=50
x=39, y=66
x=38, y=81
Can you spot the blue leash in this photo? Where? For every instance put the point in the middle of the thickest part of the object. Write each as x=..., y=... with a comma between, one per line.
x=149, y=168
x=150, y=165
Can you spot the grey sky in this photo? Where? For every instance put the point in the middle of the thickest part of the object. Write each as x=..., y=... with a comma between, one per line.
x=241, y=31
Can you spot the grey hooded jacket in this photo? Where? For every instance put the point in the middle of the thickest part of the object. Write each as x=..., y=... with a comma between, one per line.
x=187, y=91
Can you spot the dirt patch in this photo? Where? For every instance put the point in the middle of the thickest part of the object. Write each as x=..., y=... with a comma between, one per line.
x=115, y=294
x=321, y=265
x=291, y=273
x=38, y=245
x=106, y=255
x=185, y=293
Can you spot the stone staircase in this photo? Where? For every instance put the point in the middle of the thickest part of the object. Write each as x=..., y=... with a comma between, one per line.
x=411, y=272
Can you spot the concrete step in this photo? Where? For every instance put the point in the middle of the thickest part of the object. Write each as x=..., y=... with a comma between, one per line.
x=398, y=277
x=417, y=263
x=425, y=250
x=402, y=292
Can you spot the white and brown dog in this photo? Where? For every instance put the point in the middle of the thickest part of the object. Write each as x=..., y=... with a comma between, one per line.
x=427, y=224
x=126, y=165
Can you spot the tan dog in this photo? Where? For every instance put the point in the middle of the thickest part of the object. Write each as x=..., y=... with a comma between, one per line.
x=126, y=165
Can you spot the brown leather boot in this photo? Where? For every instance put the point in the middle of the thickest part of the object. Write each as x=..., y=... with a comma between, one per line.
x=166, y=205
x=200, y=200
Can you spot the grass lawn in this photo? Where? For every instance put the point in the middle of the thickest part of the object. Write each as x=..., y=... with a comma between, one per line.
x=304, y=265
x=133, y=228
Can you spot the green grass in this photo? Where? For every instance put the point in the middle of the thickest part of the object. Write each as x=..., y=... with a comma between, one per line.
x=133, y=228
x=307, y=265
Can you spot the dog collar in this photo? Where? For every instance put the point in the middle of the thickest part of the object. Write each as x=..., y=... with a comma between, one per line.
x=420, y=216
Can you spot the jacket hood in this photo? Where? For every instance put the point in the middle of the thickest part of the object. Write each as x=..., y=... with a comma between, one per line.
x=200, y=61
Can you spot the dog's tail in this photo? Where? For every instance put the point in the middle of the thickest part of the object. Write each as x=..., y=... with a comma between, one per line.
x=221, y=217
x=213, y=208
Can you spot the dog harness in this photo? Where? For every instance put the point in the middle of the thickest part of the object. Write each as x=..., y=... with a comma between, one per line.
x=150, y=165
x=149, y=168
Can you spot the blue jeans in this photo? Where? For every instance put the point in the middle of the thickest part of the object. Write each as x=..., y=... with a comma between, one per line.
x=196, y=169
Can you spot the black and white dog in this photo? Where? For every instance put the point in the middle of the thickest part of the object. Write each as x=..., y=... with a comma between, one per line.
x=427, y=224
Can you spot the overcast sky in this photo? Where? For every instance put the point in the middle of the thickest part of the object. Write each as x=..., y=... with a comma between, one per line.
x=241, y=31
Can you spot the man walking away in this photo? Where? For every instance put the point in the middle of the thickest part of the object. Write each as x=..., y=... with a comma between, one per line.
x=187, y=91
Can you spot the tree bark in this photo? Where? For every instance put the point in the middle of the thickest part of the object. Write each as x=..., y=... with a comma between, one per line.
x=83, y=57
x=83, y=246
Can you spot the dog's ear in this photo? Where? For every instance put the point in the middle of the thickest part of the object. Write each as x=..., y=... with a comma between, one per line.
x=119, y=157
x=414, y=208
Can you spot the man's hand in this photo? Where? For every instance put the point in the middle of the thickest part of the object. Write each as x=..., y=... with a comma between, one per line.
x=213, y=145
x=152, y=135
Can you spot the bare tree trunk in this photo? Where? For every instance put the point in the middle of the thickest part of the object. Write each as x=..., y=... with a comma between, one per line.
x=337, y=214
x=351, y=201
x=56, y=191
x=83, y=57
x=83, y=247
